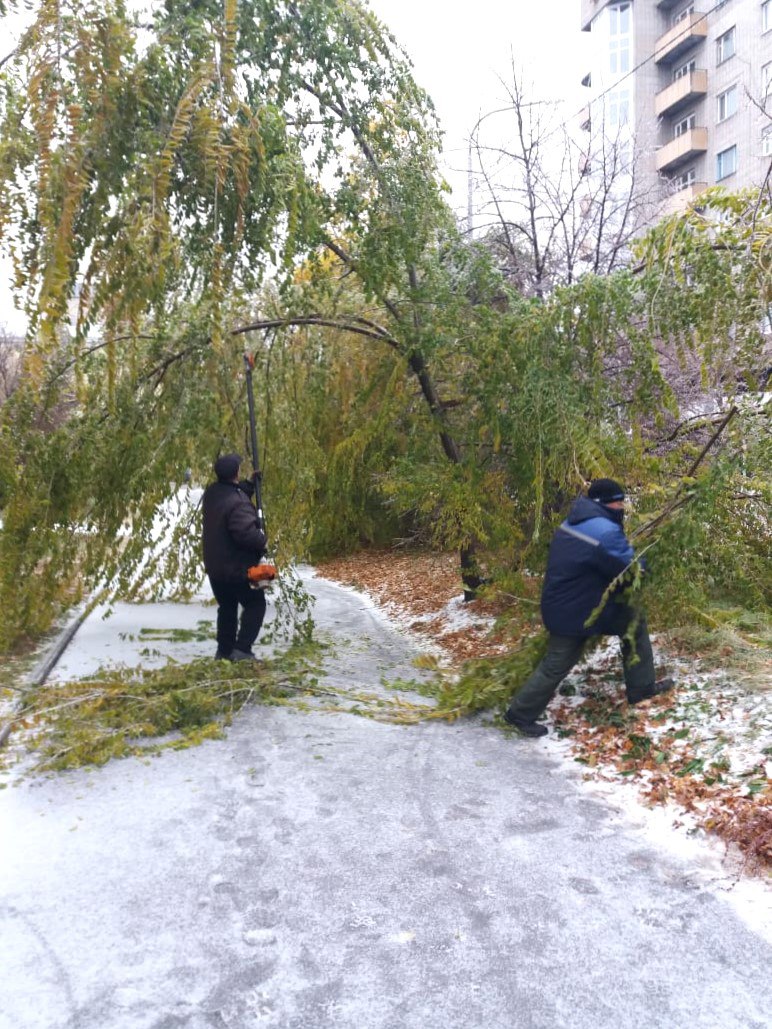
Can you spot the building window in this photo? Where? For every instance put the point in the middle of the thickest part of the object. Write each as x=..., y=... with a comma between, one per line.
x=683, y=15
x=685, y=69
x=766, y=16
x=726, y=104
x=685, y=179
x=619, y=108
x=684, y=125
x=726, y=163
x=619, y=15
x=725, y=46
x=766, y=142
x=766, y=82
x=619, y=38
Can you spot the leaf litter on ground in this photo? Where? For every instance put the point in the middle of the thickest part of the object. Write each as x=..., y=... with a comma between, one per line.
x=705, y=749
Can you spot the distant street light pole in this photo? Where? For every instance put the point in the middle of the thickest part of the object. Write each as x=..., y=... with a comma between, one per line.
x=469, y=193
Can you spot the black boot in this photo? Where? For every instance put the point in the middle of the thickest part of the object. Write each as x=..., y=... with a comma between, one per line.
x=531, y=729
x=242, y=655
x=647, y=692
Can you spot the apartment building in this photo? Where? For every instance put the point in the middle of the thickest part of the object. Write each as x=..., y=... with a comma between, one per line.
x=691, y=80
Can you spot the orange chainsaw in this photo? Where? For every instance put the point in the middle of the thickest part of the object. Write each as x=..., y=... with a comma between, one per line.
x=263, y=573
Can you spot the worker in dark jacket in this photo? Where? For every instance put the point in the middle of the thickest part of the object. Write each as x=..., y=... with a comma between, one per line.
x=233, y=541
x=589, y=550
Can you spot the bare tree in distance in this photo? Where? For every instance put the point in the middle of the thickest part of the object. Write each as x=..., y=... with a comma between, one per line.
x=551, y=204
x=763, y=105
x=10, y=352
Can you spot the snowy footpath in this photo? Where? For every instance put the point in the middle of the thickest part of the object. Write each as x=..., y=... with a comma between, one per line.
x=320, y=869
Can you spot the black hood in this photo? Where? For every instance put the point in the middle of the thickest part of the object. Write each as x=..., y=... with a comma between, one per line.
x=583, y=509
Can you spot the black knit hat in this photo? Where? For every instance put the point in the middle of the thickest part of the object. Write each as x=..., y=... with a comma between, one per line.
x=226, y=467
x=605, y=491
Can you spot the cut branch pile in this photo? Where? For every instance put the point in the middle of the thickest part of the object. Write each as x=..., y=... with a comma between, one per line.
x=123, y=712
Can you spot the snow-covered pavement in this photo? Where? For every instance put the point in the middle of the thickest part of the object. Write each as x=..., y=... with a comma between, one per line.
x=324, y=870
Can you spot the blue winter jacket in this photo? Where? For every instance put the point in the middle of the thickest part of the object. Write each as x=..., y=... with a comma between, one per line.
x=587, y=552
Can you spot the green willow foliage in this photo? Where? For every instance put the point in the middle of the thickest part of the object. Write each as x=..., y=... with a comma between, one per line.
x=263, y=175
x=630, y=375
x=152, y=177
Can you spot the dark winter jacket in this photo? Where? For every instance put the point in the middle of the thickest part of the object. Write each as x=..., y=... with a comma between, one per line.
x=232, y=539
x=587, y=552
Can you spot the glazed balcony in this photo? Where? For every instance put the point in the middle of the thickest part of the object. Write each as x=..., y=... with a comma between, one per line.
x=681, y=37
x=683, y=91
x=588, y=11
x=683, y=148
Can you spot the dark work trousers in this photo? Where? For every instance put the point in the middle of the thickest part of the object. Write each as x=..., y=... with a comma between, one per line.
x=228, y=596
x=563, y=652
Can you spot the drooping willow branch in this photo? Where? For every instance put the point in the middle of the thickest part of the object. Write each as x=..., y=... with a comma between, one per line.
x=93, y=349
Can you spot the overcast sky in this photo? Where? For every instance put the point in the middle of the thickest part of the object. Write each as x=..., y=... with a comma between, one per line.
x=460, y=52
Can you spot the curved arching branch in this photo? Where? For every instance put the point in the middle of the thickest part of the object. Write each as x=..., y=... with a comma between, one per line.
x=359, y=326
x=417, y=364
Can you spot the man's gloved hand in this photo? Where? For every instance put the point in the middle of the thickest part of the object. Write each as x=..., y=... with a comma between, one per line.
x=247, y=486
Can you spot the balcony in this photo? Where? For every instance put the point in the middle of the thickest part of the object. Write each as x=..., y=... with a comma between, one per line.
x=681, y=92
x=679, y=201
x=683, y=35
x=588, y=11
x=683, y=148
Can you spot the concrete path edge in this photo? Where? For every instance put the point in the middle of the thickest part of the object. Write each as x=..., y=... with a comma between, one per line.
x=47, y=662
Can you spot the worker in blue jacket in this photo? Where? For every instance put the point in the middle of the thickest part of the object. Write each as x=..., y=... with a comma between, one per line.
x=589, y=550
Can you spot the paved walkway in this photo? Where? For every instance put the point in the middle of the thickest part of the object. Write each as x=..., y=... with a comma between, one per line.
x=322, y=870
